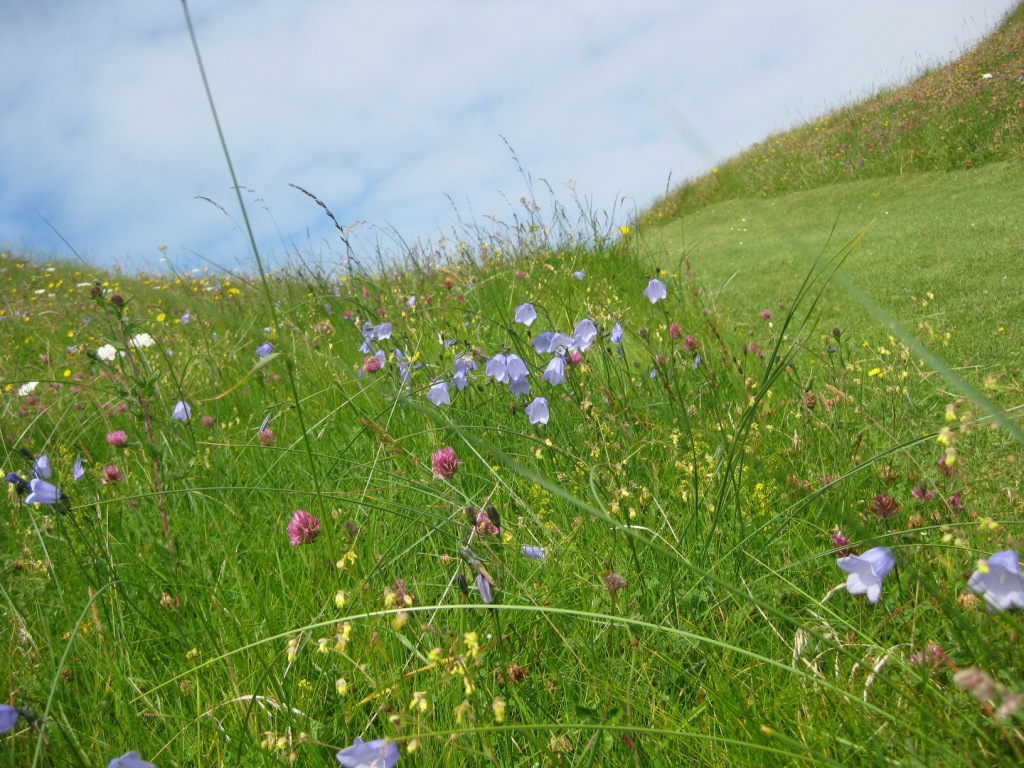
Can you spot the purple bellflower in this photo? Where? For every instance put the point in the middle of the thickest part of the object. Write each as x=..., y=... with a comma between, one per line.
x=538, y=411
x=369, y=754
x=656, y=291
x=526, y=314
x=8, y=717
x=42, y=467
x=130, y=760
x=998, y=580
x=554, y=374
x=867, y=571
x=438, y=393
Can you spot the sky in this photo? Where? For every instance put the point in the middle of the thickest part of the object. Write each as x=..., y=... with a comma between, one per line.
x=417, y=122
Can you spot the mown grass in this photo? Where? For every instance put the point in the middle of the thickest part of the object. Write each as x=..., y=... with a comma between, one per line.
x=961, y=115
x=686, y=490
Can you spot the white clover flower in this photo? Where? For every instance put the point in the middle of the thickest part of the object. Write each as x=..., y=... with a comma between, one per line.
x=27, y=388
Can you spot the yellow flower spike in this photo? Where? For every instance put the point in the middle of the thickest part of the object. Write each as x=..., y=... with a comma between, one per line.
x=412, y=746
x=472, y=643
x=322, y=645
x=945, y=437
x=341, y=686
x=435, y=655
x=498, y=705
x=339, y=599
x=468, y=685
x=293, y=650
x=400, y=620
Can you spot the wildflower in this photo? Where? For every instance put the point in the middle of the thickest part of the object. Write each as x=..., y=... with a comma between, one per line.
x=484, y=524
x=554, y=374
x=538, y=411
x=43, y=492
x=507, y=368
x=111, y=475
x=303, y=528
x=842, y=543
x=369, y=754
x=78, y=473
x=690, y=344
x=656, y=291
x=867, y=571
x=141, y=341
x=583, y=335
x=186, y=318
x=535, y=553
x=182, y=411
x=28, y=388
x=438, y=394
x=519, y=386
x=498, y=706
x=42, y=467
x=617, y=334
x=463, y=365
x=884, y=506
x=264, y=350
x=117, y=438
x=373, y=363
x=339, y=599
x=20, y=483
x=208, y=421
x=956, y=500
x=8, y=717
x=266, y=436
x=675, y=330
x=107, y=353
x=766, y=314
x=579, y=274
x=998, y=580
x=483, y=584
x=446, y=463
x=946, y=466
x=130, y=760
x=614, y=582
x=526, y=314
x=922, y=494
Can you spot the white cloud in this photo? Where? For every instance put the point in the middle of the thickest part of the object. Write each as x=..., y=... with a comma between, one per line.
x=384, y=109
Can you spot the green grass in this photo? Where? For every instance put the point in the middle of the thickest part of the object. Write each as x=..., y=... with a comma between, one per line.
x=686, y=489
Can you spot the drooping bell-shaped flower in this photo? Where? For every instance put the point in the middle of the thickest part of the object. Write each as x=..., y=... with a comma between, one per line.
x=998, y=580
x=656, y=291
x=867, y=571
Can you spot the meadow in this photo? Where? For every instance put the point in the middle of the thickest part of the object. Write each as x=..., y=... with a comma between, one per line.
x=734, y=484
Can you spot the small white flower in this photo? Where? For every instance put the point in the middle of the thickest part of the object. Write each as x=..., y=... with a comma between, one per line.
x=107, y=353
x=27, y=388
x=141, y=341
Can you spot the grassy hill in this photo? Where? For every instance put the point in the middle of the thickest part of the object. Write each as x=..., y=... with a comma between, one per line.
x=277, y=518
x=963, y=115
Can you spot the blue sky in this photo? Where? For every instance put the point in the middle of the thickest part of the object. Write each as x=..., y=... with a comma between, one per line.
x=396, y=114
